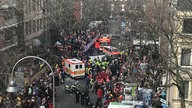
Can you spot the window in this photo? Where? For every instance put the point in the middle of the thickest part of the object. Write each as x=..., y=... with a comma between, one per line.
x=8, y=34
x=29, y=27
x=26, y=6
x=80, y=66
x=40, y=4
x=122, y=7
x=76, y=66
x=174, y=2
x=131, y=7
x=41, y=23
x=7, y=14
x=34, y=5
x=34, y=25
x=65, y=64
x=186, y=87
x=69, y=65
x=29, y=6
x=185, y=57
x=112, y=6
x=37, y=24
x=26, y=28
x=44, y=23
x=187, y=25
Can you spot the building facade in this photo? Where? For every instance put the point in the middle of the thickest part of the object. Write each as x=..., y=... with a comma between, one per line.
x=184, y=62
x=34, y=20
x=21, y=22
x=8, y=25
x=183, y=40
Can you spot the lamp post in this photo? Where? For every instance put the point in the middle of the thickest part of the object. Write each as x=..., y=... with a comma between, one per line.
x=13, y=87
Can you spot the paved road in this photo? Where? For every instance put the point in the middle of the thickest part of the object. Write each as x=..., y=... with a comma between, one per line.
x=64, y=100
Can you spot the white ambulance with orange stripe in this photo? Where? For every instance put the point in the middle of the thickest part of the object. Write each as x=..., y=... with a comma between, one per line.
x=74, y=67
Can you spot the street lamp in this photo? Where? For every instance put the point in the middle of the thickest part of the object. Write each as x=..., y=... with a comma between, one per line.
x=14, y=88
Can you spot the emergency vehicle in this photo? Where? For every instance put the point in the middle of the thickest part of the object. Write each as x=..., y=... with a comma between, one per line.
x=105, y=39
x=109, y=50
x=74, y=67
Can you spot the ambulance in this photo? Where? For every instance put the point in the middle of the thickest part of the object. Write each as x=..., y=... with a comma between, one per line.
x=74, y=68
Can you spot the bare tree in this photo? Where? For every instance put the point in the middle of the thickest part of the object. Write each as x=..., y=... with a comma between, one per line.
x=166, y=21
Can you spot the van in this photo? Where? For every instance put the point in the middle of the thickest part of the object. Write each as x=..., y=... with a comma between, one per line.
x=74, y=68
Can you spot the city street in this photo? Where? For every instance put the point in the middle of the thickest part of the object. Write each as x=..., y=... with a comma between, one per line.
x=67, y=100
x=106, y=53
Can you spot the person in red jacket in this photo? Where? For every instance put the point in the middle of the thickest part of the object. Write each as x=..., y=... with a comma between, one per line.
x=50, y=104
x=99, y=93
x=97, y=46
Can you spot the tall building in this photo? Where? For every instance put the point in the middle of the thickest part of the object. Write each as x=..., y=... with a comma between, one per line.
x=21, y=22
x=33, y=20
x=8, y=24
x=183, y=33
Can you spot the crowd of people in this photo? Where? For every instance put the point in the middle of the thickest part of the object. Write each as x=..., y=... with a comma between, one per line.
x=102, y=77
x=37, y=93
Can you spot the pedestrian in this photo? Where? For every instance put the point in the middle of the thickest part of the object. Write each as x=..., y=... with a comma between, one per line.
x=50, y=104
x=87, y=100
x=82, y=97
x=87, y=81
x=98, y=103
x=77, y=94
x=42, y=106
x=62, y=75
x=100, y=93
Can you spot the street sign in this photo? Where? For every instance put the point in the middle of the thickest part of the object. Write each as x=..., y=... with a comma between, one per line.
x=163, y=101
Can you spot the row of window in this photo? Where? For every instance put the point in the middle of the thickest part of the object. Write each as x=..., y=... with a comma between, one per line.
x=76, y=66
x=33, y=26
x=9, y=33
x=186, y=53
x=33, y=5
x=30, y=27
